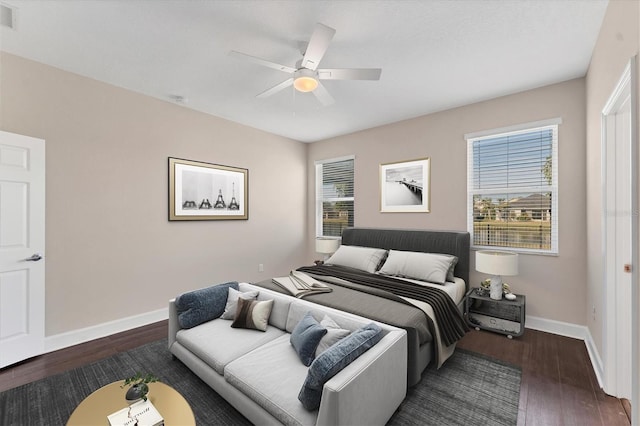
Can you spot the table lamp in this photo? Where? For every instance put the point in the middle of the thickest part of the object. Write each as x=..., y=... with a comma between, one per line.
x=327, y=246
x=496, y=263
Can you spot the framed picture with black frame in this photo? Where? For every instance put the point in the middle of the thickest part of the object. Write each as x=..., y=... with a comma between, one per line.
x=205, y=191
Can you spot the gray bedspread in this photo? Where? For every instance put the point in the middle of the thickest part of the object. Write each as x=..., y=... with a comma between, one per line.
x=450, y=323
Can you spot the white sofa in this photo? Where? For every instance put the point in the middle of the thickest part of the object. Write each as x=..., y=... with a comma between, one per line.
x=260, y=374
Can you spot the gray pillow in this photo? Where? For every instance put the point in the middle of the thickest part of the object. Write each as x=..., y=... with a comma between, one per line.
x=334, y=360
x=363, y=258
x=333, y=336
x=252, y=314
x=205, y=304
x=232, y=301
x=432, y=267
x=450, y=276
x=305, y=338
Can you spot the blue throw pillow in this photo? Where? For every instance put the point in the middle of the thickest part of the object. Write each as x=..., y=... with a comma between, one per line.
x=305, y=338
x=333, y=360
x=205, y=304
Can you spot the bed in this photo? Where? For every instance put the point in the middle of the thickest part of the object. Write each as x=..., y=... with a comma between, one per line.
x=431, y=313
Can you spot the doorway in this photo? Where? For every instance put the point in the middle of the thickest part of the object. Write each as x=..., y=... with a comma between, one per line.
x=22, y=224
x=620, y=236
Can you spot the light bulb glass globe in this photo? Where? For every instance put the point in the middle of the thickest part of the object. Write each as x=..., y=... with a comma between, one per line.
x=305, y=84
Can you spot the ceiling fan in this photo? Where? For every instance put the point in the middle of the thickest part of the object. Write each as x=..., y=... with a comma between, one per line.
x=306, y=75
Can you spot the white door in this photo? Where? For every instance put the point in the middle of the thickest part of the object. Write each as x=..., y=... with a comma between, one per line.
x=618, y=229
x=22, y=221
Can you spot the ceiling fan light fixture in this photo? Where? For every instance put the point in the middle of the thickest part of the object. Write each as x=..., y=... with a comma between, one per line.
x=305, y=81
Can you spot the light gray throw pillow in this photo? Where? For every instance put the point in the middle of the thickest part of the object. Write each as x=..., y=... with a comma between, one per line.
x=431, y=267
x=333, y=336
x=232, y=302
x=363, y=258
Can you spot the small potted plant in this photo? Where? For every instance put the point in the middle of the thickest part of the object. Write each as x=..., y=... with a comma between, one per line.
x=139, y=386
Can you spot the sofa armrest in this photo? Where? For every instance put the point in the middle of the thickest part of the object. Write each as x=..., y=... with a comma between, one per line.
x=370, y=389
x=174, y=326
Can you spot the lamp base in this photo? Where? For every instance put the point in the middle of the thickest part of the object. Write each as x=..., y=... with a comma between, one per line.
x=495, y=290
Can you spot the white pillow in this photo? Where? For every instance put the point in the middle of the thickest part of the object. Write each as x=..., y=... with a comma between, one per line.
x=334, y=334
x=232, y=302
x=364, y=258
x=432, y=267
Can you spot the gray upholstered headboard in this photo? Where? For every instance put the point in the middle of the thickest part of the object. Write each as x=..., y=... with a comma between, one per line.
x=448, y=242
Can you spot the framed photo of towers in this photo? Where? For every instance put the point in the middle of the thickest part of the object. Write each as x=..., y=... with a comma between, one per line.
x=204, y=191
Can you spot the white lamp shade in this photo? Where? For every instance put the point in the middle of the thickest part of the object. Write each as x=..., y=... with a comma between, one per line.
x=327, y=245
x=497, y=262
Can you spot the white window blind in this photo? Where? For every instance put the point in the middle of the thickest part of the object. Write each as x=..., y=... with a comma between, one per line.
x=334, y=196
x=512, y=190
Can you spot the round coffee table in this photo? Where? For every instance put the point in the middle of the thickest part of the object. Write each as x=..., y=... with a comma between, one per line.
x=95, y=408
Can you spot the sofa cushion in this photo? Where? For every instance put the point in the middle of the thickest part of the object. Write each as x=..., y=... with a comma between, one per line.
x=281, y=303
x=232, y=302
x=205, y=304
x=305, y=338
x=334, y=334
x=334, y=360
x=217, y=344
x=252, y=314
x=271, y=376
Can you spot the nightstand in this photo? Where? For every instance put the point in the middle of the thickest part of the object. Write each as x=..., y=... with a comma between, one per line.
x=501, y=316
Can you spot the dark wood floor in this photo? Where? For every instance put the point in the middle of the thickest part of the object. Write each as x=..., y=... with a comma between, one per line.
x=558, y=386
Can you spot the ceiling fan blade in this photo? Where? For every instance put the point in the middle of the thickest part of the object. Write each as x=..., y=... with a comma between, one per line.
x=278, y=87
x=323, y=95
x=262, y=62
x=350, y=74
x=317, y=47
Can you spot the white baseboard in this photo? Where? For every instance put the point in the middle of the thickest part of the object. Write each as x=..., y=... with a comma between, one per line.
x=70, y=338
x=64, y=340
x=574, y=331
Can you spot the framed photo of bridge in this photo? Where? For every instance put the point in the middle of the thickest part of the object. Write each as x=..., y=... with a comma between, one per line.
x=405, y=186
x=205, y=191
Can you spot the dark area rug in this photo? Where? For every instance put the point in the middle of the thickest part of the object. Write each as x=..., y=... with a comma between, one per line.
x=469, y=389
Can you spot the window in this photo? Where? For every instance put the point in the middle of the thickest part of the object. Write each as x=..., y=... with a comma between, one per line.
x=512, y=200
x=334, y=196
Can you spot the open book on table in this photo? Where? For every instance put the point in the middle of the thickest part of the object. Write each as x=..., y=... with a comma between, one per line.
x=141, y=413
x=299, y=284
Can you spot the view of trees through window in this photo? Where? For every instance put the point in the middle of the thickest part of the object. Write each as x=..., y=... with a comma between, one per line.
x=512, y=190
x=337, y=197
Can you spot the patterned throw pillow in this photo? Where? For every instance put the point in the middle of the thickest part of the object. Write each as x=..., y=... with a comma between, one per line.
x=252, y=314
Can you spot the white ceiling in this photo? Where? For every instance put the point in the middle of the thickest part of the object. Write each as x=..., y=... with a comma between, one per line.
x=434, y=55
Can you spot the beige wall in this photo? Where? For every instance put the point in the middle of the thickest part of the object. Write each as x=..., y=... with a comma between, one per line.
x=554, y=285
x=110, y=250
x=617, y=43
